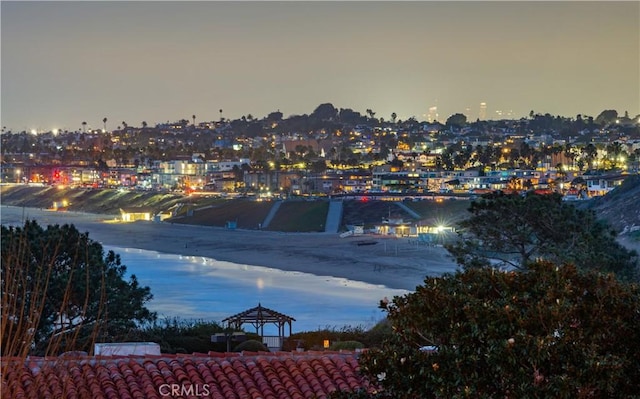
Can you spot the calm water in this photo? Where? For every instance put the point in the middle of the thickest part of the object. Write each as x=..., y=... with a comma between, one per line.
x=192, y=287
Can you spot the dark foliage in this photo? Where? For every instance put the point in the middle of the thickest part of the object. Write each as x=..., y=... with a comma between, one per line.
x=548, y=332
x=513, y=230
x=63, y=287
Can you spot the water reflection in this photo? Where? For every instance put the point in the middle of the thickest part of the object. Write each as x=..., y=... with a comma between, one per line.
x=202, y=288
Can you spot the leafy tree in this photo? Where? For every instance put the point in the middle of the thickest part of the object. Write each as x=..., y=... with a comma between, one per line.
x=59, y=287
x=349, y=116
x=549, y=332
x=607, y=116
x=371, y=113
x=275, y=116
x=325, y=111
x=512, y=230
x=456, y=120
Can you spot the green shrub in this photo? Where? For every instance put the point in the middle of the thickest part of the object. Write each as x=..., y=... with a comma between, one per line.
x=346, y=345
x=378, y=334
x=251, y=345
x=175, y=335
x=314, y=340
x=549, y=332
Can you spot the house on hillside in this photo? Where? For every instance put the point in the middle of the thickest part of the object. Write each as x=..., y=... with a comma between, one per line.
x=602, y=184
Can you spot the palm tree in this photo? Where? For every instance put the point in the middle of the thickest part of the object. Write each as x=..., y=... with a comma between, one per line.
x=84, y=127
x=194, y=119
x=570, y=154
x=144, y=124
x=104, y=123
x=124, y=124
x=370, y=113
x=221, y=115
x=590, y=153
x=393, y=117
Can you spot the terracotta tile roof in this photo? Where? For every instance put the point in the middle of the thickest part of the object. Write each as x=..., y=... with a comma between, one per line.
x=249, y=375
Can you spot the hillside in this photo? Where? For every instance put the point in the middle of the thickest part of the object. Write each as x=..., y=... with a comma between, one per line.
x=246, y=213
x=294, y=215
x=621, y=207
x=84, y=200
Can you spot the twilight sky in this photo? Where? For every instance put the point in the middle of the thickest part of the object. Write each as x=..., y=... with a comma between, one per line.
x=68, y=62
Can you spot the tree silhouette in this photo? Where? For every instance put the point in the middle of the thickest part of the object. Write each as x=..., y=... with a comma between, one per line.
x=456, y=120
x=84, y=127
x=551, y=332
x=63, y=285
x=607, y=116
x=370, y=113
x=104, y=122
x=325, y=111
x=512, y=231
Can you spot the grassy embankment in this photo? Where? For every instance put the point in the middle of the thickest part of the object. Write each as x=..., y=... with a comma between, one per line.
x=83, y=200
x=432, y=212
x=293, y=215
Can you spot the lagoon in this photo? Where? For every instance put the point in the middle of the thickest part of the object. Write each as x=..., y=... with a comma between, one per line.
x=192, y=287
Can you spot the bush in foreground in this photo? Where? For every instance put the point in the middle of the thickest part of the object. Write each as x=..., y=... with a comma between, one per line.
x=346, y=345
x=550, y=331
x=251, y=346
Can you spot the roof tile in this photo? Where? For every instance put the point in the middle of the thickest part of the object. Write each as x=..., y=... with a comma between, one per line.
x=252, y=375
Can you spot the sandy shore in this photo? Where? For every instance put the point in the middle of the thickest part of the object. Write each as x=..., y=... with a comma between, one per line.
x=392, y=262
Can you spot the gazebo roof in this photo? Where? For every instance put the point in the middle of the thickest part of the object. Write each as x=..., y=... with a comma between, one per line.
x=257, y=314
x=258, y=317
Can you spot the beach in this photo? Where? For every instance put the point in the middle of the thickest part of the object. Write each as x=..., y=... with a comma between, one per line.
x=397, y=263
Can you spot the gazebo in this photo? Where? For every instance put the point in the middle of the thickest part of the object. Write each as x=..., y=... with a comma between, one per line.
x=258, y=317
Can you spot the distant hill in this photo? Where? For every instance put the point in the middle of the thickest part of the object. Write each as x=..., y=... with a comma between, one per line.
x=621, y=207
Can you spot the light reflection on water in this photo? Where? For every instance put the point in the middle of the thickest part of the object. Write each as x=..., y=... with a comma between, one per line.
x=194, y=287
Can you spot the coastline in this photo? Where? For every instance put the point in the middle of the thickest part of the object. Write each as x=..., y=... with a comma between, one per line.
x=397, y=263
